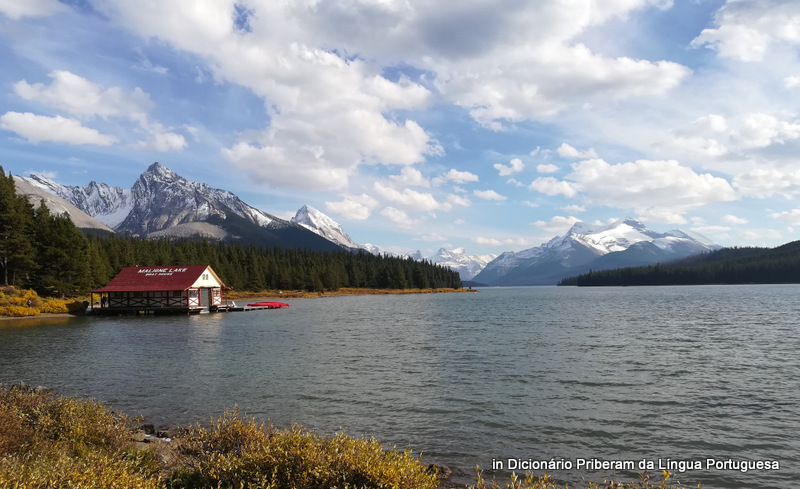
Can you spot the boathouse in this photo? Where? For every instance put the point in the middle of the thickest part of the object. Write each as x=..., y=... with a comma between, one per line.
x=161, y=290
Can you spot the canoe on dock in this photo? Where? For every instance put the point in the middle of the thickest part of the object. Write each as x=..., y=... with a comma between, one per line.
x=268, y=304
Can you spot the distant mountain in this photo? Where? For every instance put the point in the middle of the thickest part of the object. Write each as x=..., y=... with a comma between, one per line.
x=626, y=242
x=315, y=220
x=466, y=265
x=57, y=205
x=319, y=223
x=778, y=265
x=161, y=203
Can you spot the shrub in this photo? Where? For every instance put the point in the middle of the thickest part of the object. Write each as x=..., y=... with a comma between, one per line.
x=237, y=452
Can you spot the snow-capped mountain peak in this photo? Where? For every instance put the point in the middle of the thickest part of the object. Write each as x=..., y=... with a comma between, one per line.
x=316, y=221
x=586, y=246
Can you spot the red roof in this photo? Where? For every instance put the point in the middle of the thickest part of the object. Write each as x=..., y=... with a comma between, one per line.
x=133, y=279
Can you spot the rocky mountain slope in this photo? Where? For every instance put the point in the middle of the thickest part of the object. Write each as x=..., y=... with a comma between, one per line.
x=57, y=205
x=161, y=203
x=626, y=242
x=457, y=259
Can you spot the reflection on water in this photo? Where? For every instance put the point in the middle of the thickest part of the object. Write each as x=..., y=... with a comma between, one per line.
x=519, y=373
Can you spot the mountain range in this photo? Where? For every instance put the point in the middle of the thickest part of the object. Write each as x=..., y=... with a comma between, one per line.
x=623, y=243
x=162, y=204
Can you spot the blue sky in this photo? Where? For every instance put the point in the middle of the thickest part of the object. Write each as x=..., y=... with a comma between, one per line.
x=418, y=124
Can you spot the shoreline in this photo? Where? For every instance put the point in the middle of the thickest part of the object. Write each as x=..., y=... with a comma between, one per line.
x=278, y=294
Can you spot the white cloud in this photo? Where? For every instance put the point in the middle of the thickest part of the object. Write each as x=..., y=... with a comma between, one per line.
x=547, y=168
x=356, y=207
x=38, y=128
x=567, y=151
x=791, y=82
x=514, y=166
x=558, y=224
x=458, y=200
x=507, y=242
x=553, y=186
x=793, y=216
x=574, y=208
x=412, y=177
x=764, y=183
x=410, y=198
x=16, y=9
x=528, y=203
x=733, y=220
x=489, y=195
x=748, y=29
x=456, y=176
x=80, y=97
x=398, y=217
x=660, y=190
x=762, y=130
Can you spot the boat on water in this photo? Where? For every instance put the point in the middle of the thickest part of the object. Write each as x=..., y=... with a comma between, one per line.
x=268, y=304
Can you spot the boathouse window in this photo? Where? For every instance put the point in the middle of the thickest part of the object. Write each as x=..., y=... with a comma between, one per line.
x=205, y=276
x=215, y=292
x=194, y=293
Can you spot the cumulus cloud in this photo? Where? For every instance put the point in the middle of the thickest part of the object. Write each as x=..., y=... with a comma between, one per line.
x=489, y=195
x=410, y=198
x=412, y=177
x=658, y=190
x=547, y=168
x=458, y=200
x=558, y=224
x=39, y=128
x=514, y=166
x=764, y=183
x=506, y=242
x=553, y=186
x=748, y=29
x=87, y=100
x=649, y=187
x=356, y=207
x=456, y=176
x=398, y=217
x=16, y=9
x=567, y=151
x=733, y=220
x=793, y=216
x=82, y=98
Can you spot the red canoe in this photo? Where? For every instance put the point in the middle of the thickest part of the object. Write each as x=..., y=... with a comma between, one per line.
x=271, y=305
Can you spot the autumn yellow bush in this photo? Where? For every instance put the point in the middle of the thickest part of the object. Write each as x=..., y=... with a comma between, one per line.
x=239, y=452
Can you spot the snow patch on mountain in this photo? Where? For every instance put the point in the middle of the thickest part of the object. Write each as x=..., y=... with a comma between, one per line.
x=457, y=259
x=314, y=220
x=585, y=243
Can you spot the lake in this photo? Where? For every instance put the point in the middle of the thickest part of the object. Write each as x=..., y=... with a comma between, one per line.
x=702, y=380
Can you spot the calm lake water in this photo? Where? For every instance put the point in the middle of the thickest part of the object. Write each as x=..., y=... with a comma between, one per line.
x=668, y=375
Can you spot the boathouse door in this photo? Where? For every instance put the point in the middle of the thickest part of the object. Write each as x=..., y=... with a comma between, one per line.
x=205, y=297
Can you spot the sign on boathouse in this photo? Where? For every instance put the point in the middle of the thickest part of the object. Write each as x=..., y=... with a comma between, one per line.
x=191, y=288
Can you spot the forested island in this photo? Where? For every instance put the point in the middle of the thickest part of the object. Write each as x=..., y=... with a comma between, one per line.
x=45, y=252
x=746, y=265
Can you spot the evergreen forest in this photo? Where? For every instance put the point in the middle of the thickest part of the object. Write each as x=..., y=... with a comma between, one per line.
x=47, y=253
x=746, y=265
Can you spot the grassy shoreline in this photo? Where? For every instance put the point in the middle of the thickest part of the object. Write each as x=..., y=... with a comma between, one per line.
x=51, y=441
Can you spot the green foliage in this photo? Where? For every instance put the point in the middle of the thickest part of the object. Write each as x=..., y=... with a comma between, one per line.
x=726, y=266
x=49, y=254
x=251, y=267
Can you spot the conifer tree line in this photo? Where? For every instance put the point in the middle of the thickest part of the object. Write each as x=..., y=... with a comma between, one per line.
x=46, y=252
x=740, y=265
